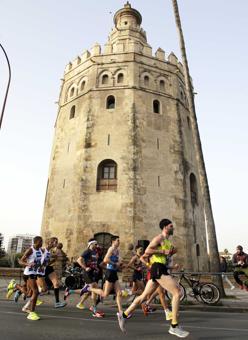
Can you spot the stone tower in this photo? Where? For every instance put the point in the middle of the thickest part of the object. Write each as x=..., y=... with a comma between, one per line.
x=123, y=155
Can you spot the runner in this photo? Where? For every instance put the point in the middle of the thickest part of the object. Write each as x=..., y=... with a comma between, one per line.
x=159, y=249
x=46, y=271
x=113, y=263
x=89, y=262
x=32, y=260
x=138, y=267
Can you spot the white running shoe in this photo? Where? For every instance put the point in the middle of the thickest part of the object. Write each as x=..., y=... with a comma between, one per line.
x=233, y=287
x=60, y=304
x=178, y=331
x=121, y=321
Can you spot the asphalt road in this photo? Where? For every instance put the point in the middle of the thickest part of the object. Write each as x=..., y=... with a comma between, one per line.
x=70, y=323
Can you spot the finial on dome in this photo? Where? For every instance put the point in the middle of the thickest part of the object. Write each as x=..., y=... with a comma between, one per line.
x=127, y=5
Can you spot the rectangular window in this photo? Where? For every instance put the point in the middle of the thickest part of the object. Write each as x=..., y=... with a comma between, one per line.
x=157, y=143
x=108, y=139
x=68, y=147
x=64, y=183
x=158, y=181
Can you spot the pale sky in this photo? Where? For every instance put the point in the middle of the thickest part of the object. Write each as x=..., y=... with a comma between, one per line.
x=41, y=37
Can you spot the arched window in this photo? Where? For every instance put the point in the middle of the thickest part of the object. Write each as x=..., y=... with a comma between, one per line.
x=105, y=79
x=110, y=103
x=72, y=92
x=146, y=80
x=107, y=175
x=82, y=85
x=120, y=78
x=193, y=190
x=104, y=241
x=72, y=112
x=156, y=106
x=162, y=85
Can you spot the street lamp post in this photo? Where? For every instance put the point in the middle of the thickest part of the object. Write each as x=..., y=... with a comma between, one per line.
x=7, y=88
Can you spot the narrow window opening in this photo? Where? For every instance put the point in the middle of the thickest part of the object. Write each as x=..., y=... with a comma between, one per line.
x=72, y=112
x=64, y=183
x=105, y=79
x=108, y=139
x=72, y=92
x=193, y=190
x=157, y=143
x=188, y=121
x=162, y=85
x=68, y=147
x=156, y=106
x=120, y=78
x=158, y=181
x=82, y=85
x=146, y=81
x=110, y=102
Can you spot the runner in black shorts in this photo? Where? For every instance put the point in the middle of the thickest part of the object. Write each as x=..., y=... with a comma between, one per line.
x=158, y=251
x=89, y=262
x=138, y=267
x=113, y=263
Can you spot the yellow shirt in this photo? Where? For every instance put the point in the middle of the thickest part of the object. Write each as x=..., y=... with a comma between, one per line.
x=161, y=258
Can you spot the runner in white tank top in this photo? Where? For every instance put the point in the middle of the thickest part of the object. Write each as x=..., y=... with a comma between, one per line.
x=32, y=260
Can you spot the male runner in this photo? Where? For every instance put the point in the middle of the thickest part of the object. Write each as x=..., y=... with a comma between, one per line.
x=32, y=260
x=113, y=263
x=46, y=271
x=89, y=262
x=159, y=249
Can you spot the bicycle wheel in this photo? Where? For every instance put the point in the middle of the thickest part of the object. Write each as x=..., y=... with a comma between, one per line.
x=182, y=293
x=209, y=293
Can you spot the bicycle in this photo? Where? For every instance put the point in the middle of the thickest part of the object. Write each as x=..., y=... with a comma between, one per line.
x=205, y=292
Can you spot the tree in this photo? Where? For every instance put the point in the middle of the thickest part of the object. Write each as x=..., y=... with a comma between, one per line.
x=211, y=234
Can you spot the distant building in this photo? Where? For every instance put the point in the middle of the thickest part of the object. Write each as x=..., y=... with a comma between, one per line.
x=19, y=243
x=1, y=240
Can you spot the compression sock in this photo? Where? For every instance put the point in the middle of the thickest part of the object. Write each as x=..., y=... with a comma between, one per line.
x=56, y=294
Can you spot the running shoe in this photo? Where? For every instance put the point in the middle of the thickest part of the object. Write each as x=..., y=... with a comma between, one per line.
x=241, y=287
x=11, y=284
x=66, y=293
x=233, y=287
x=97, y=314
x=59, y=304
x=85, y=289
x=33, y=316
x=80, y=305
x=9, y=293
x=18, y=293
x=121, y=321
x=178, y=331
x=39, y=302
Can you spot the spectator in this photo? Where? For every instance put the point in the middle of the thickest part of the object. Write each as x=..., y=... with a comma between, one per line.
x=240, y=264
x=223, y=269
